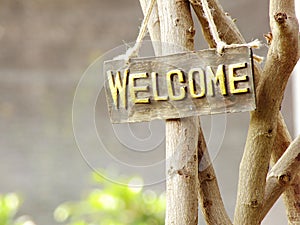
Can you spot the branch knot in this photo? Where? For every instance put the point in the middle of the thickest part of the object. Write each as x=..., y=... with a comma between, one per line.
x=254, y=203
x=280, y=17
x=285, y=179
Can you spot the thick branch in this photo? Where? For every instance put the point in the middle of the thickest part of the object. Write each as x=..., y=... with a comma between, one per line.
x=263, y=121
x=210, y=198
x=209, y=194
x=282, y=175
x=177, y=34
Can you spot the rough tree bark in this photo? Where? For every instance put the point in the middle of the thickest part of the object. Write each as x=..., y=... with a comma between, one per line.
x=177, y=35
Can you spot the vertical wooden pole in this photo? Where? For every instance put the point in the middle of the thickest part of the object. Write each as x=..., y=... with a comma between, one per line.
x=177, y=35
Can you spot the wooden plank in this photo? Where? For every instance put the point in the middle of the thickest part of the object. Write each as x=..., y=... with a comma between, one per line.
x=180, y=85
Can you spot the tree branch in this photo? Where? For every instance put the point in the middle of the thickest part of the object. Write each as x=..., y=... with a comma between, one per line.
x=263, y=121
x=228, y=31
x=230, y=34
x=282, y=175
x=209, y=194
x=291, y=195
x=177, y=34
x=210, y=198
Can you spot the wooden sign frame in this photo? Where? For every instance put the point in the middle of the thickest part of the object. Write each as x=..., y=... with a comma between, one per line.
x=180, y=85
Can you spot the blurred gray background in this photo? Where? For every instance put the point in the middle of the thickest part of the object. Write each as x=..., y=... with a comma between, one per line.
x=45, y=47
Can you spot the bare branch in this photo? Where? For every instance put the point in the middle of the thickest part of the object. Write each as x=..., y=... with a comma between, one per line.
x=263, y=122
x=209, y=194
x=177, y=30
x=282, y=175
x=230, y=34
x=291, y=195
x=210, y=198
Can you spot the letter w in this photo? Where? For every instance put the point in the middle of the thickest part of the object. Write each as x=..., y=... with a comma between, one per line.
x=118, y=87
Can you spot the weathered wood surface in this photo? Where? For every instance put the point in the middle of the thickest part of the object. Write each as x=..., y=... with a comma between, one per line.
x=180, y=85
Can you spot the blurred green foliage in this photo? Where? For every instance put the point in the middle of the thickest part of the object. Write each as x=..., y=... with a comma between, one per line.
x=114, y=204
x=9, y=205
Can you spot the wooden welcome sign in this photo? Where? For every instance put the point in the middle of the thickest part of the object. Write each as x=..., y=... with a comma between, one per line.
x=180, y=85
